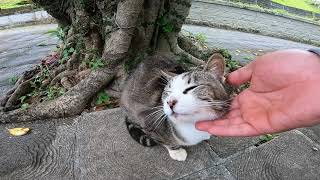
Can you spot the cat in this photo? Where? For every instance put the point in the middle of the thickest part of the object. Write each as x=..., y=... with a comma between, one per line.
x=163, y=102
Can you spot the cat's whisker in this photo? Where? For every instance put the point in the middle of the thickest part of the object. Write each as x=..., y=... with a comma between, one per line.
x=154, y=113
x=157, y=107
x=160, y=122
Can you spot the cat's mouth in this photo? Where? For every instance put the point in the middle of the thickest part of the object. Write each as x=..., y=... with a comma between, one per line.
x=175, y=114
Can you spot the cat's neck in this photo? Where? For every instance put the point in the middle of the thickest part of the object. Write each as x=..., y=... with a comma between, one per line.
x=189, y=134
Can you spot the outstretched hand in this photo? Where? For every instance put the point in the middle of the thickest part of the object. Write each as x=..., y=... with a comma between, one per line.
x=283, y=94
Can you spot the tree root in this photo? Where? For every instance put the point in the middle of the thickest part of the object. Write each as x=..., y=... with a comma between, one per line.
x=192, y=59
x=70, y=104
x=21, y=90
x=113, y=93
x=193, y=46
x=63, y=74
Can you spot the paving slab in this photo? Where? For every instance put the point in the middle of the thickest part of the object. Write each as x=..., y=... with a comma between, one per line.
x=106, y=150
x=46, y=152
x=292, y=156
x=215, y=172
x=92, y=146
x=226, y=146
x=312, y=132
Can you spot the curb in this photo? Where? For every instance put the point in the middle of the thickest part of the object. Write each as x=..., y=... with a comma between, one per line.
x=224, y=3
x=17, y=20
x=202, y=17
x=248, y=30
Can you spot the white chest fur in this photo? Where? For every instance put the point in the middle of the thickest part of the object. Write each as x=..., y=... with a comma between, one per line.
x=190, y=134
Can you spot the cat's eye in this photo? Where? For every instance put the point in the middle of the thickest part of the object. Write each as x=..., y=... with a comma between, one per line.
x=189, y=89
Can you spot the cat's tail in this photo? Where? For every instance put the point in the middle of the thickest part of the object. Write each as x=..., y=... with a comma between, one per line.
x=138, y=135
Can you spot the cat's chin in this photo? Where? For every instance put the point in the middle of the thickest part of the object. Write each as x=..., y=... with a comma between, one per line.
x=180, y=117
x=192, y=118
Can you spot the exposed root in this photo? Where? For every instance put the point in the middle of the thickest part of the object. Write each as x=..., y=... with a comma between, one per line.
x=63, y=74
x=70, y=104
x=193, y=46
x=59, y=69
x=192, y=59
x=3, y=100
x=113, y=93
x=22, y=89
x=73, y=61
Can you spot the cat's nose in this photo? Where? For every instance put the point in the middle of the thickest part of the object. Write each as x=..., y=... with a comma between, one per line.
x=172, y=103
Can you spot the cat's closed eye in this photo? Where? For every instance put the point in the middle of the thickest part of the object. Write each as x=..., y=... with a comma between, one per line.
x=189, y=89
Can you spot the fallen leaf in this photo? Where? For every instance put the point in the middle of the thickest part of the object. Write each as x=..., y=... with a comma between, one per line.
x=18, y=131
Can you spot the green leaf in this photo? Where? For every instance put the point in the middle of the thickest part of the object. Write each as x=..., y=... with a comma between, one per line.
x=266, y=138
x=13, y=79
x=62, y=91
x=71, y=50
x=103, y=97
x=168, y=28
x=23, y=98
x=24, y=106
x=163, y=21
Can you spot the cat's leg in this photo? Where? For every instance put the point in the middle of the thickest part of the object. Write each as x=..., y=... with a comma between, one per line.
x=177, y=153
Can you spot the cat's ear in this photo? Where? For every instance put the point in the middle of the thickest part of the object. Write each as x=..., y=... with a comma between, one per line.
x=216, y=64
x=167, y=74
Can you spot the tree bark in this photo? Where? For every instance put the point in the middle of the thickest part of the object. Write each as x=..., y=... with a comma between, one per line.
x=98, y=38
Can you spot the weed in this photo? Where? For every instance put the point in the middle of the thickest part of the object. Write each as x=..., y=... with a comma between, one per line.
x=13, y=80
x=25, y=106
x=232, y=65
x=67, y=52
x=22, y=99
x=103, y=98
x=201, y=37
x=165, y=24
x=265, y=138
x=53, y=92
x=59, y=32
x=243, y=87
x=248, y=58
x=96, y=64
x=44, y=74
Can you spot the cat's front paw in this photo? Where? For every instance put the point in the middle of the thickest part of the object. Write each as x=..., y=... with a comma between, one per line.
x=178, y=154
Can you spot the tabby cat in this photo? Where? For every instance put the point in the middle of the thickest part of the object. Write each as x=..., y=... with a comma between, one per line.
x=163, y=102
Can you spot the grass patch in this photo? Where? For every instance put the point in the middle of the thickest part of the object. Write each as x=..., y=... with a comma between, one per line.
x=13, y=80
x=10, y=4
x=299, y=4
x=275, y=11
x=265, y=138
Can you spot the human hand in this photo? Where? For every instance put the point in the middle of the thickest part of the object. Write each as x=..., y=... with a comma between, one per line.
x=284, y=93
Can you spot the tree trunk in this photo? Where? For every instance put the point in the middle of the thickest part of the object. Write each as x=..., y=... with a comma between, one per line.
x=101, y=41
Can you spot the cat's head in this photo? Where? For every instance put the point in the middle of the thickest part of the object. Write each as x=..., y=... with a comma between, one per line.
x=196, y=95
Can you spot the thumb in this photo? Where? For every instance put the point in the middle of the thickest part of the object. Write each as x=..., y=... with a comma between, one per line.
x=241, y=75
